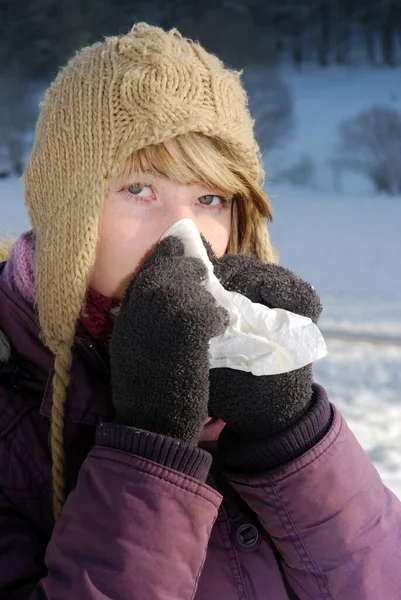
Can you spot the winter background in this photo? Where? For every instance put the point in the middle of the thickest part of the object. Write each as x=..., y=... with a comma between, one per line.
x=336, y=192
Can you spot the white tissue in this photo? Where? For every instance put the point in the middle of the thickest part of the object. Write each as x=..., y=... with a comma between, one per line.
x=258, y=339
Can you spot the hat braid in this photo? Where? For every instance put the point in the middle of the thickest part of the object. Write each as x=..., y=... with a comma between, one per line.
x=61, y=381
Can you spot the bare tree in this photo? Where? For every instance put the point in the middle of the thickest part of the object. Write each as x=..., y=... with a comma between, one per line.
x=323, y=18
x=369, y=27
x=343, y=34
x=301, y=173
x=371, y=145
x=298, y=31
x=388, y=31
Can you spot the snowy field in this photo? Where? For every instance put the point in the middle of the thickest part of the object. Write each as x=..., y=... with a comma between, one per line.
x=349, y=248
x=346, y=243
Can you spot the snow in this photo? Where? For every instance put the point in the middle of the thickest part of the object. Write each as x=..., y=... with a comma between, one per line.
x=14, y=218
x=322, y=99
x=349, y=248
x=347, y=243
x=364, y=381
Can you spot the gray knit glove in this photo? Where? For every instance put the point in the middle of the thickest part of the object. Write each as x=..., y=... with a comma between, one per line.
x=256, y=407
x=159, y=347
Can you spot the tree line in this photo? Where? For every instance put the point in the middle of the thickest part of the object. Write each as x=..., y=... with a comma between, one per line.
x=37, y=36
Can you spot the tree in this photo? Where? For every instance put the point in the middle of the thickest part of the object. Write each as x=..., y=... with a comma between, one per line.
x=233, y=34
x=343, y=20
x=369, y=21
x=390, y=17
x=371, y=145
x=324, y=21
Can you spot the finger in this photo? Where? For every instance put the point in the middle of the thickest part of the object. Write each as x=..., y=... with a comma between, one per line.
x=172, y=274
x=169, y=247
x=187, y=269
x=287, y=290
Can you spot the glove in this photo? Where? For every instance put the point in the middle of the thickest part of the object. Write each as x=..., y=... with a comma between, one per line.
x=159, y=347
x=257, y=407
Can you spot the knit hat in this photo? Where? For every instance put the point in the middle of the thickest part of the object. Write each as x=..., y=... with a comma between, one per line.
x=112, y=99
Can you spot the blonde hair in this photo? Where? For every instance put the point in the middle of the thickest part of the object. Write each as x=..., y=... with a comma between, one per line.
x=202, y=159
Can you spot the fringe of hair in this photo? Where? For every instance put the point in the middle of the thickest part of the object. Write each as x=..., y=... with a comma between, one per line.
x=192, y=158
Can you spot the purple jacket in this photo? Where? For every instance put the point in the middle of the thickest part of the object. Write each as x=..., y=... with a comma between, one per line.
x=322, y=526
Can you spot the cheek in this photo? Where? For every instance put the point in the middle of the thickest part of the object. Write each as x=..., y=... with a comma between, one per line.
x=123, y=240
x=120, y=235
x=218, y=233
x=125, y=235
x=220, y=244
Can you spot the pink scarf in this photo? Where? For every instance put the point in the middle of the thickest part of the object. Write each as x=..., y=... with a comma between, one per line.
x=96, y=322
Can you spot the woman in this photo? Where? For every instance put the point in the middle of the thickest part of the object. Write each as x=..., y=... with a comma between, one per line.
x=167, y=480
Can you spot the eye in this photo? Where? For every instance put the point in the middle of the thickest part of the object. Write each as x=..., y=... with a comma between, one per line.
x=209, y=199
x=137, y=189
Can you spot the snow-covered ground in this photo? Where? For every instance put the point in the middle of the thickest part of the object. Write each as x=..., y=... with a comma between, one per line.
x=364, y=381
x=349, y=248
x=348, y=244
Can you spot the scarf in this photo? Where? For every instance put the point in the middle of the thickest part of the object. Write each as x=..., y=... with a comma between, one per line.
x=97, y=317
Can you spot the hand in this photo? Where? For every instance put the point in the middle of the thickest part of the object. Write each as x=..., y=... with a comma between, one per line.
x=256, y=407
x=159, y=347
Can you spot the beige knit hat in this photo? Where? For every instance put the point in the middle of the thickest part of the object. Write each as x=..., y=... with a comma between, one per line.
x=110, y=100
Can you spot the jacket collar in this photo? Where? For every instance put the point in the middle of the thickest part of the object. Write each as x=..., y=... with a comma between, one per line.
x=89, y=395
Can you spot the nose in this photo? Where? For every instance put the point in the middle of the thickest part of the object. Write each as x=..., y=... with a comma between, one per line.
x=178, y=212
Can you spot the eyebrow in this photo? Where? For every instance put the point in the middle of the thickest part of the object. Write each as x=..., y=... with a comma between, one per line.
x=148, y=173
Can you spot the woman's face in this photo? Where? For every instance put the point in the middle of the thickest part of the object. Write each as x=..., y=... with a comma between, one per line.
x=137, y=212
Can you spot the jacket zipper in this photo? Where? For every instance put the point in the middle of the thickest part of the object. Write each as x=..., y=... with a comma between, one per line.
x=96, y=352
